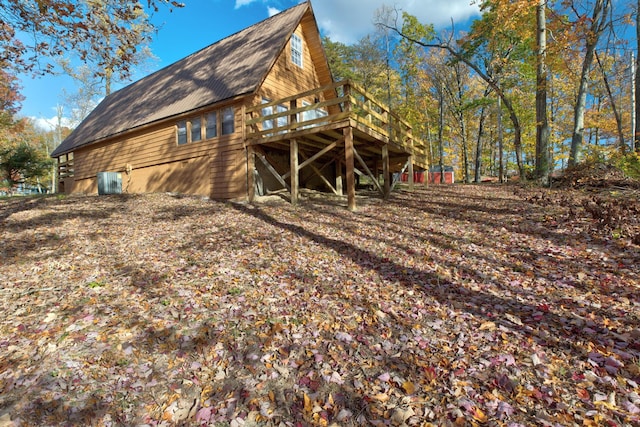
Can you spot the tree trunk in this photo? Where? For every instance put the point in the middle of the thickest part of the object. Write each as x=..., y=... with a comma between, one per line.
x=477, y=178
x=598, y=20
x=440, y=127
x=500, y=142
x=612, y=100
x=636, y=136
x=463, y=130
x=543, y=165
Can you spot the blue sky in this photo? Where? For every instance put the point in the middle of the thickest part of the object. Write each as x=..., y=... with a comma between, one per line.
x=203, y=22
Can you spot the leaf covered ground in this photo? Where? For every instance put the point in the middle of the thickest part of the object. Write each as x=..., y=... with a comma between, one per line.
x=457, y=305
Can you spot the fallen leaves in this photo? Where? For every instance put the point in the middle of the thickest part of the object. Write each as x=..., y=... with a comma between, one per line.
x=459, y=305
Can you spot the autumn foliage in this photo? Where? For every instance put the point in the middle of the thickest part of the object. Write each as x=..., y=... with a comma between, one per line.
x=457, y=305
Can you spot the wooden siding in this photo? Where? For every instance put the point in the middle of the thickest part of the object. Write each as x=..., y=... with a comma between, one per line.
x=313, y=44
x=185, y=176
x=286, y=78
x=157, y=163
x=151, y=159
x=229, y=174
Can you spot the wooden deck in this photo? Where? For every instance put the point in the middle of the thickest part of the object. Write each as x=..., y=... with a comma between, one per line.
x=336, y=133
x=343, y=126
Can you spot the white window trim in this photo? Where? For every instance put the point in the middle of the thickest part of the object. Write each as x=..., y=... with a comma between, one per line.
x=297, y=48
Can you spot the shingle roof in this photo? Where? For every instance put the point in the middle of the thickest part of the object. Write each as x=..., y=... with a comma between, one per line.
x=234, y=66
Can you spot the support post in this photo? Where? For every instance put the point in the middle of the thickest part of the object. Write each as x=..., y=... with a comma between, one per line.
x=348, y=159
x=410, y=173
x=385, y=171
x=376, y=170
x=294, y=170
x=251, y=167
x=338, y=177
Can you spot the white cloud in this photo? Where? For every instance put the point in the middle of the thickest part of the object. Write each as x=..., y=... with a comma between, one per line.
x=273, y=11
x=240, y=3
x=49, y=124
x=349, y=21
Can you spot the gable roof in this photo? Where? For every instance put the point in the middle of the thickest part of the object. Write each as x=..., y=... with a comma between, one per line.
x=233, y=66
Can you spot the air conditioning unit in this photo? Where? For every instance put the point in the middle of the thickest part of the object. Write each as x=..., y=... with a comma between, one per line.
x=109, y=183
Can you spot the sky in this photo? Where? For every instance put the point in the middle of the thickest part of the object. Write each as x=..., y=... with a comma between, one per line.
x=203, y=22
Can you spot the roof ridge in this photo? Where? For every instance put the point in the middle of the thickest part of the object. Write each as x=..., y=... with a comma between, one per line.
x=209, y=46
x=232, y=66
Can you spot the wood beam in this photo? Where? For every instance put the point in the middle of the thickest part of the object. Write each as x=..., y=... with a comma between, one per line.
x=251, y=177
x=385, y=171
x=410, y=172
x=295, y=175
x=319, y=173
x=273, y=171
x=348, y=160
x=322, y=152
x=338, y=177
x=393, y=184
x=368, y=171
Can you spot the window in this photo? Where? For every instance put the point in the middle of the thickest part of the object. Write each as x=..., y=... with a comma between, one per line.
x=312, y=114
x=182, y=132
x=228, y=121
x=211, y=125
x=282, y=121
x=296, y=50
x=205, y=126
x=196, y=129
x=267, y=111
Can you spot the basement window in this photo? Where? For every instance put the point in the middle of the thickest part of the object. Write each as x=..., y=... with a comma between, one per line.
x=296, y=50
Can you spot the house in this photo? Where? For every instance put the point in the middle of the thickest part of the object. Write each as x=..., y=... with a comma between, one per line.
x=255, y=112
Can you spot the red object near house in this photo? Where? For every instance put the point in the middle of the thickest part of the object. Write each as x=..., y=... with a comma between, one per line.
x=418, y=177
x=434, y=175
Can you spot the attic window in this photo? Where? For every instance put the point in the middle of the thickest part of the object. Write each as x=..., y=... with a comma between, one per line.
x=296, y=50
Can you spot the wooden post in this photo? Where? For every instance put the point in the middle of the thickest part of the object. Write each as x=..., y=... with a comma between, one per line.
x=338, y=177
x=348, y=158
x=294, y=170
x=376, y=170
x=251, y=168
x=410, y=172
x=385, y=171
x=293, y=118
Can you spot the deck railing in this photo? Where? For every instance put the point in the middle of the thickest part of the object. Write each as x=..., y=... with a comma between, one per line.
x=65, y=166
x=339, y=102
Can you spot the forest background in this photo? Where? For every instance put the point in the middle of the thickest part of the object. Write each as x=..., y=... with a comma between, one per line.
x=533, y=87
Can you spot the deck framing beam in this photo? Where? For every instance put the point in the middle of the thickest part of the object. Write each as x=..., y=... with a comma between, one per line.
x=368, y=171
x=348, y=160
x=274, y=172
